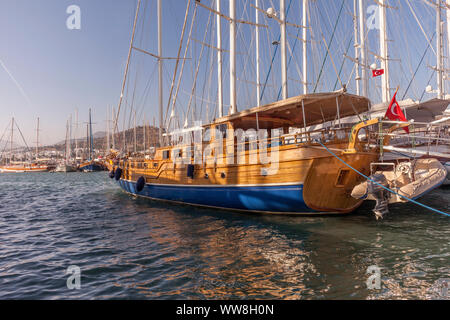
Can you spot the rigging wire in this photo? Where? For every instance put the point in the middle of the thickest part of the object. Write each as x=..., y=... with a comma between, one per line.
x=331, y=40
x=273, y=57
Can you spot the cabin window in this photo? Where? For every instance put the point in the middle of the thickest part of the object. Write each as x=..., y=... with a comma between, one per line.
x=206, y=135
x=166, y=154
x=342, y=177
x=177, y=153
x=155, y=164
x=222, y=129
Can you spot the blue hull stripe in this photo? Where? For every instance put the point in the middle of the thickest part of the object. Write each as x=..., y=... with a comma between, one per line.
x=281, y=199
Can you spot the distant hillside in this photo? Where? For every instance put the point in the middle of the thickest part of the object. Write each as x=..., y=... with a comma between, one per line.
x=97, y=135
x=100, y=139
x=5, y=142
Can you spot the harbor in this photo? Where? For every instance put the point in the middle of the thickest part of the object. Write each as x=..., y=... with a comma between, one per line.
x=249, y=150
x=130, y=248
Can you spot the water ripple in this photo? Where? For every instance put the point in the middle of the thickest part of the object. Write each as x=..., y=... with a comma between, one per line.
x=139, y=249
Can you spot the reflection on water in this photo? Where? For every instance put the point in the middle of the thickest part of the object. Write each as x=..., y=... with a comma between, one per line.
x=136, y=248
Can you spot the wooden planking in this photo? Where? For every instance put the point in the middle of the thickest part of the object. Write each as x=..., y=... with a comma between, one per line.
x=326, y=195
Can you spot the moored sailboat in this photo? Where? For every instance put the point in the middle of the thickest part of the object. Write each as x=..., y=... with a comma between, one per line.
x=67, y=165
x=90, y=165
x=23, y=166
x=225, y=163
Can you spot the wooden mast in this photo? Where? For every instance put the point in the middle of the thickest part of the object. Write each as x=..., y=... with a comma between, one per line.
x=160, y=71
x=37, y=140
x=219, y=61
x=11, y=142
x=284, y=88
x=233, y=108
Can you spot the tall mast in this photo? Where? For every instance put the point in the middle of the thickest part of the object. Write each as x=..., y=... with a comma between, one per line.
x=284, y=88
x=448, y=33
x=219, y=61
x=143, y=135
x=66, y=151
x=439, y=65
x=91, y=137
x=355, y=44
x=87, y=141
x=135, y=134
x=258, y=85
x=386, y=96
x=305, y=46
x=362, y=48
x=70, y=138
x=124, y=138
x=233, y=105
x=116, y=117
x=160, y=70
x=107, y=130
x=37, y=140
x=113, y=136
x=76, y=134
x=11, y=142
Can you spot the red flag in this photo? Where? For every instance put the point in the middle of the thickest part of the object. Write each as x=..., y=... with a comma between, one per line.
x=394, y=112
x=377, y=72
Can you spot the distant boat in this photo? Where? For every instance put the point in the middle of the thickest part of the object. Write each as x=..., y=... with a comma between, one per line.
x=64, y=167
x=23, y=166
x=91, y=165
x=67, y=165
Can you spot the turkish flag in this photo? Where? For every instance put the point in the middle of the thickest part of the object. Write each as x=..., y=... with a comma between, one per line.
x=377, y=72
x=395, y=113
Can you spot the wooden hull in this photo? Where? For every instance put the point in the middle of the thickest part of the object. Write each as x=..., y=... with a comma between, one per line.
x=308, y=181
x=23, y=169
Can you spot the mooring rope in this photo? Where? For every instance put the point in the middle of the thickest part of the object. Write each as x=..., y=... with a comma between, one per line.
x=390, y=190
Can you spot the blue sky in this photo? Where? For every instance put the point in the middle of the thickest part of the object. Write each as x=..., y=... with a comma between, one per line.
x=60, y=70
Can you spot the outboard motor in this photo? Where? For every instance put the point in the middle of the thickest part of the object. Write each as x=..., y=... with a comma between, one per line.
x=373, y=191
x=380, y=194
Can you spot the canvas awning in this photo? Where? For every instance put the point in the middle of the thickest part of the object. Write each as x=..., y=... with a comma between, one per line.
x=427, y=111
x=318, y=108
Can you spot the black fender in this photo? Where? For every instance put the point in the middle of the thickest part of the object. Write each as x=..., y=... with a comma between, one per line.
x=118, y=174
x=140, y=184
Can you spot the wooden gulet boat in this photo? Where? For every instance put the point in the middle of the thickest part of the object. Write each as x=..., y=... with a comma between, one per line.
x=23, y=166
x=213, y=166
x=305, y=178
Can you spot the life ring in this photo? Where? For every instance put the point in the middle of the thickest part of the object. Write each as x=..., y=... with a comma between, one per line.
x=112, y=173
x=140, y=184
x=118, y=174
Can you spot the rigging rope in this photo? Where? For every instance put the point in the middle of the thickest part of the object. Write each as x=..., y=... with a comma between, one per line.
x=418, y=66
